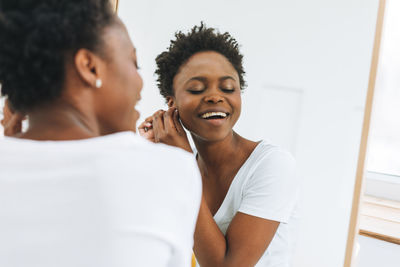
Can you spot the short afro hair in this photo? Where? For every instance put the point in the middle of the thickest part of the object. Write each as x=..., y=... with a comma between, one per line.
x=198, y=39
x=37, y=37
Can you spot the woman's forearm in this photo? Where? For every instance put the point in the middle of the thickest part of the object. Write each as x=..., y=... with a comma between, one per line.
x=210, y=245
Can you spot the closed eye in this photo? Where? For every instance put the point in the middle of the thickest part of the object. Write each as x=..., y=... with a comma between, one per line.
x=228, y=90
x=195, y=92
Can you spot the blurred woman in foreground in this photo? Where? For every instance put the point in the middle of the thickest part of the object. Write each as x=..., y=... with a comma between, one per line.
x=79, y=187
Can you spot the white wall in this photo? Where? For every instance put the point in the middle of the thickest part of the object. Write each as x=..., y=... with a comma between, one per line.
x=307, y=66
x=377, y=253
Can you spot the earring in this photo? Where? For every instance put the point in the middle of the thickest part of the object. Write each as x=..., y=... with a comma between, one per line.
x=99, y=83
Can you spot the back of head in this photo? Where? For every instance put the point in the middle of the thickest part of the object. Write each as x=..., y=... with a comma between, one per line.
x=38, y=37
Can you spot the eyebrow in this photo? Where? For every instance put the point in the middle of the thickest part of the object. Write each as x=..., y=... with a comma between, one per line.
x=203, y=79
x=227, y=78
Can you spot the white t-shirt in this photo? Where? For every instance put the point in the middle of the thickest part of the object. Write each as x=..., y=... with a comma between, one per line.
x=266, y=186
x=116, y=200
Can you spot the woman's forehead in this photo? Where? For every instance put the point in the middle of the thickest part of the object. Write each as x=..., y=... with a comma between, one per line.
x=206, y=64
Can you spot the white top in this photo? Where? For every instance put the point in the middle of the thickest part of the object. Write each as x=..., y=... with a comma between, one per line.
x=266, y=186
x=116, y=200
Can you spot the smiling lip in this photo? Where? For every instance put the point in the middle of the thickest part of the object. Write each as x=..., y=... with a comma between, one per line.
x=216, y=111
x=214, y=117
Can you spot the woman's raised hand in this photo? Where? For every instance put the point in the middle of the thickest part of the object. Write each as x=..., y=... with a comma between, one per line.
x=12, y=121
x=165, y=127
x=14, y=125
x=146, y=129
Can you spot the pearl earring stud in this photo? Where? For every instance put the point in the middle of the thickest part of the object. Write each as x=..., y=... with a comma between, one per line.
x=99, y=83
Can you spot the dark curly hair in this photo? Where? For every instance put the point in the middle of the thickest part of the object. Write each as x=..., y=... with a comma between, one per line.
x=198, y=39
x=37, y=37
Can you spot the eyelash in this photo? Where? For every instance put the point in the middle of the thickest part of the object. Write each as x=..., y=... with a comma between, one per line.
x=229, y=91
x=197, y=92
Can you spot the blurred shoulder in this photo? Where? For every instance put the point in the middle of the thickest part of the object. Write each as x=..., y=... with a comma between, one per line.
x=169, y=162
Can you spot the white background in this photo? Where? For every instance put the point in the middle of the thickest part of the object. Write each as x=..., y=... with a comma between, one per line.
x=307, y=66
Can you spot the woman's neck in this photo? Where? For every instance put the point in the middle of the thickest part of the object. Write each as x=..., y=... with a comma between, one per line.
x=221, y=156
x=61, y=121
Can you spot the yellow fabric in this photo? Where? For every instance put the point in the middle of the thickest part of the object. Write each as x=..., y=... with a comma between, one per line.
x=193, y=260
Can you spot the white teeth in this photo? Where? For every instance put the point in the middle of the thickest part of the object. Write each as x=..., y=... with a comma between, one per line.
x=211, y=114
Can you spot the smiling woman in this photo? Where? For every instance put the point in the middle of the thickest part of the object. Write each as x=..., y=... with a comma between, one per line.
x=248, y=214
x=207, y=77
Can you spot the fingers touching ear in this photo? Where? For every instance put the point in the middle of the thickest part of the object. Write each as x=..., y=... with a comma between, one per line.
x=88, y=66
x=170, y=101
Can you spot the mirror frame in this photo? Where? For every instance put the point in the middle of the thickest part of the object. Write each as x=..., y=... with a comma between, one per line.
x=114, y=4
x=358, y=186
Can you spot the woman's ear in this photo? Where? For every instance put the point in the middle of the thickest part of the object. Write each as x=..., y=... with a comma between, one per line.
x=170, y=101
x=87, y=65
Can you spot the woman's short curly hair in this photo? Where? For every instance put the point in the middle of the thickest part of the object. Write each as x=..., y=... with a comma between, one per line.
x=198, y=39
x=37, y=36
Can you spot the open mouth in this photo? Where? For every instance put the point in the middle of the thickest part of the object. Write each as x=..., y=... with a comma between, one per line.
x=214, y=115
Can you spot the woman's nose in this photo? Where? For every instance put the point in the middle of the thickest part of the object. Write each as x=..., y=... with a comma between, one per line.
x=214, y=98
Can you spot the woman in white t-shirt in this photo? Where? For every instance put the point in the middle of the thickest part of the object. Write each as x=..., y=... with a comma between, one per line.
x=248, y=211
x=79, y=187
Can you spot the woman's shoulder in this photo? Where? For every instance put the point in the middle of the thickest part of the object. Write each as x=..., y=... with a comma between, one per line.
x=268, y=164
x=172, y=162
x=169, y=154
x=271, y=168
x=131, y=143
x=267, y=153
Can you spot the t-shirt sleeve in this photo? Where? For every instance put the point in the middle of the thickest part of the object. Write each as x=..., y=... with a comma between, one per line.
x=272, y=188
x=187, y=209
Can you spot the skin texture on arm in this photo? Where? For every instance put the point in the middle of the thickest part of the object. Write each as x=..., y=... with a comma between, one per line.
x=245, y=242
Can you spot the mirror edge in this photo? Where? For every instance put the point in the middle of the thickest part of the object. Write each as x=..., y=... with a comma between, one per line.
x=114, y=4
x=358, y=186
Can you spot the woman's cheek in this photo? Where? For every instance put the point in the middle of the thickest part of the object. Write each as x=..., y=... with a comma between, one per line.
x=186, y=122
